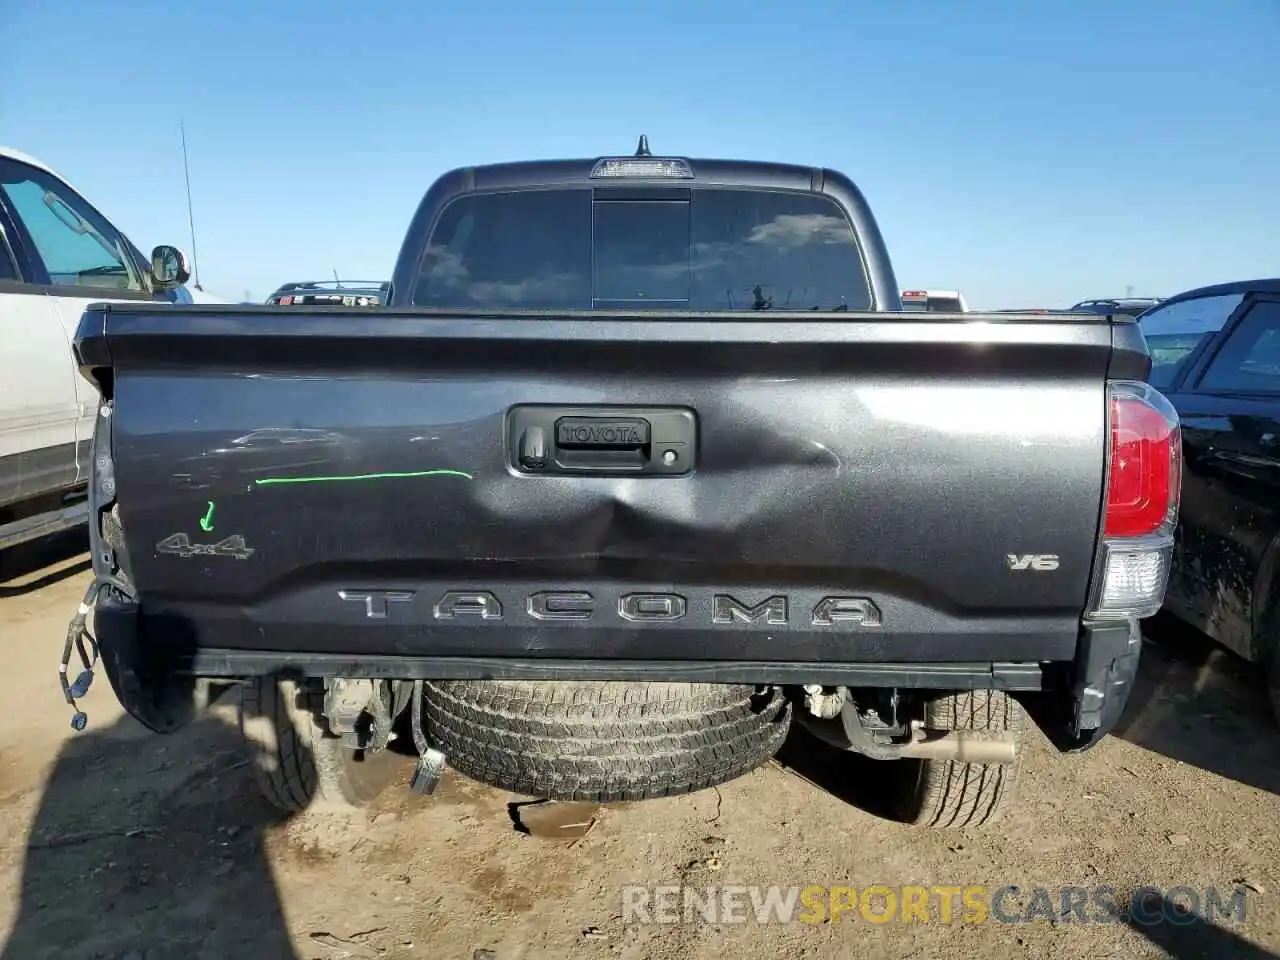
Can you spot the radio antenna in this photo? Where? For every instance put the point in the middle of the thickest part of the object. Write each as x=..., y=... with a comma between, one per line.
x=191, y=217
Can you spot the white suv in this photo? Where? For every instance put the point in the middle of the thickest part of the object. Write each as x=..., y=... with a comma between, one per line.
x=57, y=255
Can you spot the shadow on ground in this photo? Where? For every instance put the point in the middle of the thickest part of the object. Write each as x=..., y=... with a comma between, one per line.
x=1196, y=703
x=140, y=851
x=1185, y=935
x=54, y=558
x=855, y=779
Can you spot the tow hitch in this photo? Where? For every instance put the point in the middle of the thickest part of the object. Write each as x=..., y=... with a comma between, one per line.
x=348, y=701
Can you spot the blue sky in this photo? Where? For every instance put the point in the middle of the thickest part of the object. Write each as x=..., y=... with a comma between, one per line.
x=1028, y=154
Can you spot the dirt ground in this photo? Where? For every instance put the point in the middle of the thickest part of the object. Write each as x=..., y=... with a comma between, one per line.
x=116, y=843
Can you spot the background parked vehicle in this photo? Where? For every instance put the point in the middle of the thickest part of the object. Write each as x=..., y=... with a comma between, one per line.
x=934, y=301
x=1123, y=306
x=331, y=293
x=190, y=293
x=1216, y=355
x=58, y=254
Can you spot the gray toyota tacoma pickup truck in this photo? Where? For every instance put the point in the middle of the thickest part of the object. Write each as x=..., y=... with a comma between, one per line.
x=640, y=465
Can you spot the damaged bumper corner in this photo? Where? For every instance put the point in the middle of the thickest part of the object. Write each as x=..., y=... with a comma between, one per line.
x=1104, y=674
x=153, y=683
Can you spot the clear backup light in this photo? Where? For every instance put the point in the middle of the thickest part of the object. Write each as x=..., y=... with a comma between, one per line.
x=1144, y=480
x=1133, y=581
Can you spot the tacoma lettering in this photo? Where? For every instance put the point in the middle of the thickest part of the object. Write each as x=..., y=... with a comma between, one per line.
x=375, y=601
x=856, y=610
x=550, y=606
x=725, y=609
x=652, y=606
x=462, y=603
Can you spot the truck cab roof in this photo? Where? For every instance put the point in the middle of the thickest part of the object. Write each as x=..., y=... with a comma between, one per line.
x=604, y=170
x=646, y=177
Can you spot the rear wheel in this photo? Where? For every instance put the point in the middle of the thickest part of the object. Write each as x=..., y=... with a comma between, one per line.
x=947, y=793
x=298, y=763
x=604, y=741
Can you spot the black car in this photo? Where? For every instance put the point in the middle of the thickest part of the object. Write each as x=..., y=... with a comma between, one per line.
x=1216, y=355
x=331, y=293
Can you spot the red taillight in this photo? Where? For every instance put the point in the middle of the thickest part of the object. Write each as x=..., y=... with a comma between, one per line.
x=1146, y=462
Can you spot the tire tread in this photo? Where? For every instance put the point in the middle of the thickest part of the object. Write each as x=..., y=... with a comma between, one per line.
x=603, y=741
x=951, y=794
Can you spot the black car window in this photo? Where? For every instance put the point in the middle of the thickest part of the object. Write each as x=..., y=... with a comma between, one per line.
x=708, y=250
x=1175, y=330
x=1249, y=360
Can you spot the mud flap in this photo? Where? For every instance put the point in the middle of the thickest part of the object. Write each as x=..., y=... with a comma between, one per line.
x=1103, y=677
x=150, y=680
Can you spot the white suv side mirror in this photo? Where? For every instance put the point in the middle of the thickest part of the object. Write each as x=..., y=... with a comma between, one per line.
x=169, y=268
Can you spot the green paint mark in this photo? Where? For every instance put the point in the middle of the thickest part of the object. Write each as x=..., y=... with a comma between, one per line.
x=271, y=481
x=206, y=522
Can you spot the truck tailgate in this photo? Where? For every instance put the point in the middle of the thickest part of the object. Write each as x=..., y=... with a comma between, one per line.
x=865, y=488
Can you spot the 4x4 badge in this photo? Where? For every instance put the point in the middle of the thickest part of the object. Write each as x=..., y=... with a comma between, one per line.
x=180, y=545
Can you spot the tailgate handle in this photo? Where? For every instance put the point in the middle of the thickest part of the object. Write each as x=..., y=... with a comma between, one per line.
x=602, y=441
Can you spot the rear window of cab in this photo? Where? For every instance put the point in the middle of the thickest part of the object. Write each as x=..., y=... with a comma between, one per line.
x=675, y=249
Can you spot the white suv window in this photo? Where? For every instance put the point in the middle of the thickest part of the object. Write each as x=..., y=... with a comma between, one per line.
x=1173, y=332
x=77, y=246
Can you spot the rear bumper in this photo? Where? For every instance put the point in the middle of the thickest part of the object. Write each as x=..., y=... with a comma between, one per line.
x=402, y=622
x=154, y=665
x=923, y=676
